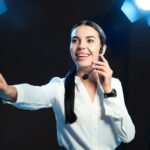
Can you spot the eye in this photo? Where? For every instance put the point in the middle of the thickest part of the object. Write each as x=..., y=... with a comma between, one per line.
x=74, y=40
x=90, y=40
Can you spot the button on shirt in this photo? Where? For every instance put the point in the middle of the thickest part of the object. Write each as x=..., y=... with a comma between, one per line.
x=101, y=124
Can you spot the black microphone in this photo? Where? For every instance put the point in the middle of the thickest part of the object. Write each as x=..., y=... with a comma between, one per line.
x=86, y=75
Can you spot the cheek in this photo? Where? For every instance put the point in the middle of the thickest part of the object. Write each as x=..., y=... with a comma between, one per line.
x=95, y=54
x=72, y=49
x=72, y=52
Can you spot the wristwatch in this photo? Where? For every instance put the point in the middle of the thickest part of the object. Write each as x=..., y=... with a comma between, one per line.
x=113, y=93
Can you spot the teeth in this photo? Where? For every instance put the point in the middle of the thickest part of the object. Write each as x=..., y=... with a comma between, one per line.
x=82, y=55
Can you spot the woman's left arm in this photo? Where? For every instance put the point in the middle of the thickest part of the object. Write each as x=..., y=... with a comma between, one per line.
x=114, y=107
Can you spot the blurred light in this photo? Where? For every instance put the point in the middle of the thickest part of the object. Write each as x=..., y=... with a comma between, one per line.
x=136, y=9
x=3, y=7
x=130, y=11
x=143, y=4
x=148, y=21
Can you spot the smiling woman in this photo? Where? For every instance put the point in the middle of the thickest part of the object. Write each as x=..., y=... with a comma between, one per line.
x=90, y=114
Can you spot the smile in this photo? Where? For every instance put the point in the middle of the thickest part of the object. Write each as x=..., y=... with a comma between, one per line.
x=81, y=56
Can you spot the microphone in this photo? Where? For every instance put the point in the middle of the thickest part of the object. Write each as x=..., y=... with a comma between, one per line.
x=86, y=75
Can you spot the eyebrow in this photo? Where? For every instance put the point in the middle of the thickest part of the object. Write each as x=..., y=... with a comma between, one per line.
x=75, y=37
x=90, y=36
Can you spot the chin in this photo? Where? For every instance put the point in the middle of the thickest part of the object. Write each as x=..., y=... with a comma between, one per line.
x=83, y=63
x=84, y=66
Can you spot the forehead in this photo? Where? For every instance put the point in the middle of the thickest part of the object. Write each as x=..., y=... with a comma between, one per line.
x=83, y=31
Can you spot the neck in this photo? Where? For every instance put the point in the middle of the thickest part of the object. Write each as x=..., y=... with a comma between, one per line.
x=91, y=78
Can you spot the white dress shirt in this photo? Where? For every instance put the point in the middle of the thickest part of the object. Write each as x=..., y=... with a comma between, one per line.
x=101, y=124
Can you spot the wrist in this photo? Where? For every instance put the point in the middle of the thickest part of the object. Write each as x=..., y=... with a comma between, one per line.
x=113, y=93
x=11, y=93
x=107, y=90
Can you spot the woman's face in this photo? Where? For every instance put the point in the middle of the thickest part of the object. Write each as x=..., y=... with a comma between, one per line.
x=84, y=46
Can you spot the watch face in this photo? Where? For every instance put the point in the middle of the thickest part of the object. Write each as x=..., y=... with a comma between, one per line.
x=113, y=93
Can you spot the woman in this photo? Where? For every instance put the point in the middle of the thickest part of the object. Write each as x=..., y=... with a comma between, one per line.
x=88, y=103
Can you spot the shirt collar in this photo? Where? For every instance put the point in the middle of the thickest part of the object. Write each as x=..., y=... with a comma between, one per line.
x=78, y=81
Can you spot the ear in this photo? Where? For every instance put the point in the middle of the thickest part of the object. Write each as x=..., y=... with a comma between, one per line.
x=103, y=49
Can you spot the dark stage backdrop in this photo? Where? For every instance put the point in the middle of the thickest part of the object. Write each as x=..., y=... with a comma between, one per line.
x=34, y=47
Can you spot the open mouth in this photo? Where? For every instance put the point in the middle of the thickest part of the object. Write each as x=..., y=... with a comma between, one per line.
x=82, y=56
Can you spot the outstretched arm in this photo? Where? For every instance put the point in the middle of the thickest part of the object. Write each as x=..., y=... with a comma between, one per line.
x=26, y=96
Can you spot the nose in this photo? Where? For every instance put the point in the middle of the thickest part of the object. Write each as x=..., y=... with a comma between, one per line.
x=81, y=45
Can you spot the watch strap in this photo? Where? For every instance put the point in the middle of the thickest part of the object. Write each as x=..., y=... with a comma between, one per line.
x=113, y=93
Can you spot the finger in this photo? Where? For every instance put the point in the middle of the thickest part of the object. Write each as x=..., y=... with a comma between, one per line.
x=97, y=63
x=103, y=58
x=101, y=64
x=102, y=68
x=108, y=71
x=2, y=80
x=100, y=72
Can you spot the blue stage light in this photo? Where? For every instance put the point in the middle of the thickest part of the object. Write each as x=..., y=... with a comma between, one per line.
x=130, y=11
x=148, y=20
x=136, y=9
x=3, y=7
x=143, y=4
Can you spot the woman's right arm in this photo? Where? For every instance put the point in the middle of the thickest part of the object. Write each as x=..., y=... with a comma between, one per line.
x=26, y=96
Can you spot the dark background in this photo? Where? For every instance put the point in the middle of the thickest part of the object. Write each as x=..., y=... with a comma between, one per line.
x=34, y=47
